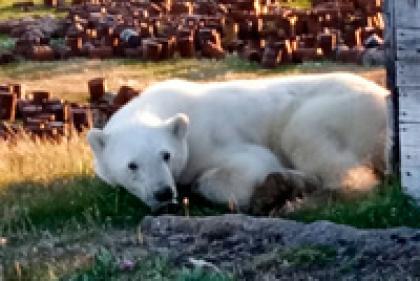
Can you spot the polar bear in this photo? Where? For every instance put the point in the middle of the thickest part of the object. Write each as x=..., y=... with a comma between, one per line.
x=224, y=138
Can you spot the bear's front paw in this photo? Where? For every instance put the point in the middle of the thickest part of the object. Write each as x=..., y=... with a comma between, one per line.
x=280, y=188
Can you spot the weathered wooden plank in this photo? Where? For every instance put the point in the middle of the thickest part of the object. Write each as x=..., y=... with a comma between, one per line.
x=402, y=45
x=409, y=134
x=389, y=38
x=407, y=13
x=409, y=103
x=410, y=181
x=408, y=73
x=408, y=44
x=390, y=59
x=410, y=157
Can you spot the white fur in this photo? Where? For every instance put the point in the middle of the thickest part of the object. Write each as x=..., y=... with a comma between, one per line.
x=327, y=126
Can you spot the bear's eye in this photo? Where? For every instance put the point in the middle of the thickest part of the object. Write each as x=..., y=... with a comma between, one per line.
x=166, y=156
x=132, y=166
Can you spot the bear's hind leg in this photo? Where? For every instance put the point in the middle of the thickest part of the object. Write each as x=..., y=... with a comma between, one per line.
x=236, y=174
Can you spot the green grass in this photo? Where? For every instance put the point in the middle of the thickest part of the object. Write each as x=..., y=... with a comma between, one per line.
x=82, y=201
x=66, y=203
x=384, y=207
x=6, y=43
x=309, y=255
x=28, y=208
x=106, y=267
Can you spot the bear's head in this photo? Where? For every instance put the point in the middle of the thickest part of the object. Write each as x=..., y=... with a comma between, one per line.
x=146, y=159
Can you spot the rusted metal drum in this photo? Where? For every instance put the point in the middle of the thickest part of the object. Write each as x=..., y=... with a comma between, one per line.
x=8, y=106
x=152, y=50
x=42, y=53
x=125, y=94
x=40, y=96
x=212, y=50
x=97, y=89
x=185, y=46
x=307, y=54
x=81, y=118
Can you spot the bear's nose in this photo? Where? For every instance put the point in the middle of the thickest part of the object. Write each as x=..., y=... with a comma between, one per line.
x=165, y=194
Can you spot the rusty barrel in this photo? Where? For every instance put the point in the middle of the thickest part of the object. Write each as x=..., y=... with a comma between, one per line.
x=40, y=96
x=81, y=118
x=8, y=106
x=97, y=89
x=185, y=46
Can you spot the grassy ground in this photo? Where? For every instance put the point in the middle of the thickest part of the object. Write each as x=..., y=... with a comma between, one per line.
x=49, y=189
x=299, y=3
x=107, y=267
x=7, y=11
x=139, y=74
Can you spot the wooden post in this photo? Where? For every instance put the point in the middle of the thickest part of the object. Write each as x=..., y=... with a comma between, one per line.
x=402, y=41
x=390, y=81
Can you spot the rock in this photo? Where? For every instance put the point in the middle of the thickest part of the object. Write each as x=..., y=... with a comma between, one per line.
x=285, y=249
x=415, y=263
x=46, y=245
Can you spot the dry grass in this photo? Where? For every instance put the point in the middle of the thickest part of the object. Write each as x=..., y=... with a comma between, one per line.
x=68, y=79
x=43, y=161
x=7, y=11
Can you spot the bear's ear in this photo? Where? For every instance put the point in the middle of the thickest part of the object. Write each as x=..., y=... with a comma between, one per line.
x=178, y=125
x=96, y=139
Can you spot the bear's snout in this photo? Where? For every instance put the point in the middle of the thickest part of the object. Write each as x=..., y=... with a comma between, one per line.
x=164, y=194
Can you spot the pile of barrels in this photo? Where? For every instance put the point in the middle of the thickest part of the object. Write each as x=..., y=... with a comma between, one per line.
x=40, y=115
x=259, y=30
